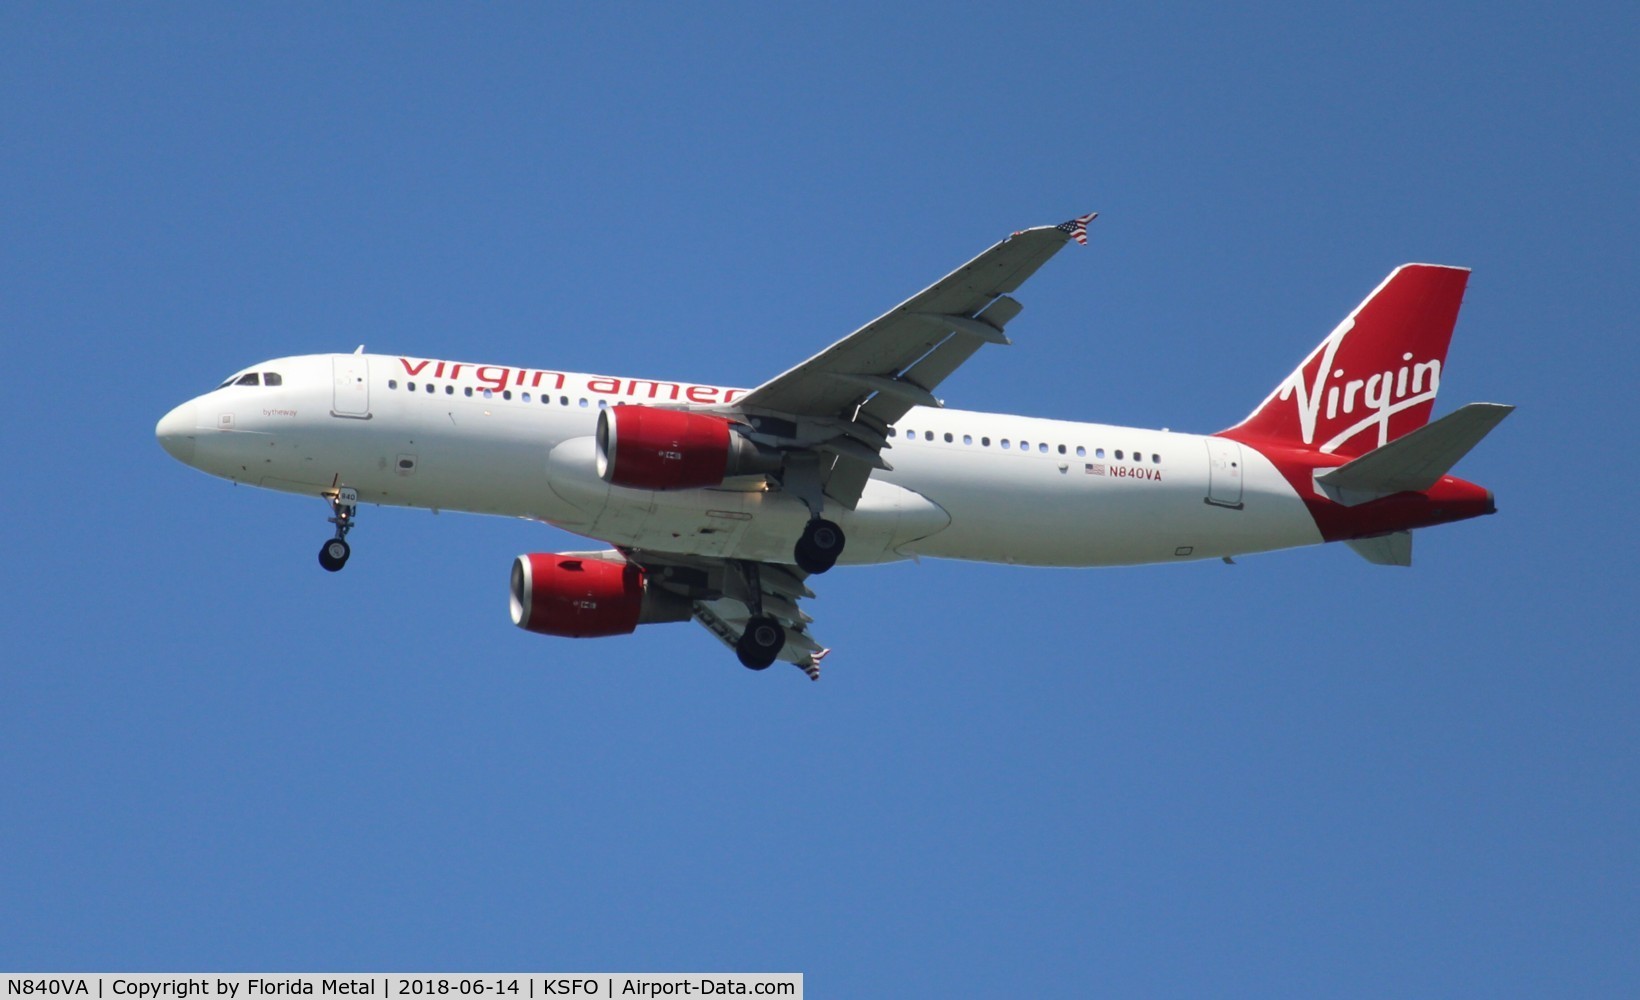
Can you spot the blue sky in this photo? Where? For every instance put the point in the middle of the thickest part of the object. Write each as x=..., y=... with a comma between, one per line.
x=1298, y=775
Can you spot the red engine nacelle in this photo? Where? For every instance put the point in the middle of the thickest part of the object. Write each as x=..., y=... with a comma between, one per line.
x=648, y=448
x=583, y=597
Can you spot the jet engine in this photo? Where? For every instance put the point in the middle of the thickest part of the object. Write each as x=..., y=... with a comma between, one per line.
x=587, y=595
x=649, y=448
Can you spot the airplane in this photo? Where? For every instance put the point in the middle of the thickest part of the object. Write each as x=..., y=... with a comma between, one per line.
x=720, y=504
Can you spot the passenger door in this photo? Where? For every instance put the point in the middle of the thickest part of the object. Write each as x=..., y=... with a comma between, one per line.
x=352, y=397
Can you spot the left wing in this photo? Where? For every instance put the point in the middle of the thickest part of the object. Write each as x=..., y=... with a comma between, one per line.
x=841, y=401
x=727, y=594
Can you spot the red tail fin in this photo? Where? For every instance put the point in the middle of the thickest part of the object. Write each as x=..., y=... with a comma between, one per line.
x=1375, y=377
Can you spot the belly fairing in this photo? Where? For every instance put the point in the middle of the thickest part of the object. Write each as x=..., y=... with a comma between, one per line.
x=739, y=520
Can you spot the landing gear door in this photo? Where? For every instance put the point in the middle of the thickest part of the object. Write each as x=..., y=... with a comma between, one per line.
x=1224, y=473
x=352, y=373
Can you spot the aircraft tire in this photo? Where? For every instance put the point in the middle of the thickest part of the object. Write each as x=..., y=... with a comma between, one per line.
x=761, y=644
x=818, y=549
x=333, y=554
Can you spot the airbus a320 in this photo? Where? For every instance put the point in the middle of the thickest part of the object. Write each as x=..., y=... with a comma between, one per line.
x=721, y=504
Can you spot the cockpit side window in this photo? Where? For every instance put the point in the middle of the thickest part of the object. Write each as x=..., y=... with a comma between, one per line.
x=272, y=378
x=249, y=378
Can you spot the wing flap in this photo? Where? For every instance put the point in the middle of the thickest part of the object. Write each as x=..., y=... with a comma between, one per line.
x=726, y=618
x=722, y=594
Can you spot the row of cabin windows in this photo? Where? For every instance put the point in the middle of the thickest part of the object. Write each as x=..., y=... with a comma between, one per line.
x=255, y=378
x=1042, y=447
x=985, y=442
x=450, y=390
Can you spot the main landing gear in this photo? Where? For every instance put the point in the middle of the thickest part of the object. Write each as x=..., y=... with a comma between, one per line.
x=818, y=549
x=764, y=638
x=344, y=507
x=761, y=643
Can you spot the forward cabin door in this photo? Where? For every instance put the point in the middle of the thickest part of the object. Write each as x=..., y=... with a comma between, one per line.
x=352, y=386
x=1223, y=472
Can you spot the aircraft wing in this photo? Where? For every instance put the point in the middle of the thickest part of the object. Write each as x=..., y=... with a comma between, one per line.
x=842, y=400
x=724, y=592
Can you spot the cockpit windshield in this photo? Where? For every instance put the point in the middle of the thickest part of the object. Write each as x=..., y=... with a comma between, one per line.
x=254, y=378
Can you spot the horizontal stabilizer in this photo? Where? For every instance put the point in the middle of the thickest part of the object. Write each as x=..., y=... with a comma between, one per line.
x=1393, y=549
x=1415, y=461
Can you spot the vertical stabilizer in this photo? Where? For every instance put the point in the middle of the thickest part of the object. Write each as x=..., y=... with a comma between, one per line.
x=1375, y=377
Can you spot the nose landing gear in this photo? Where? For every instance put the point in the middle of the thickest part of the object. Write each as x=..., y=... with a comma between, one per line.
x=344, y=507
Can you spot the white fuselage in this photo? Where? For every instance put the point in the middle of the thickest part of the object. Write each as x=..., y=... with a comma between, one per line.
x=519, y=442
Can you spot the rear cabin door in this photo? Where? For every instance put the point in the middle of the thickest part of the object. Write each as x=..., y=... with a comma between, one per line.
x=1223, y=472
x=352, y=398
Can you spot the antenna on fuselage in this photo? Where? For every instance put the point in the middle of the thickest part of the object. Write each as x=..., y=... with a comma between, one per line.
x=359, y=349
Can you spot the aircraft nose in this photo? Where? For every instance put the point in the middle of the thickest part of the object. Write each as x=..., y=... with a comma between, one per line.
x=176, y=432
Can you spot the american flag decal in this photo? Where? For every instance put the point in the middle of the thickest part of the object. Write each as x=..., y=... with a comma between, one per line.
x=1094, y=468
x=1078, y=227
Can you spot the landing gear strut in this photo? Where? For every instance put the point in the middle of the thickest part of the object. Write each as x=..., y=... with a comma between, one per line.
x=818, y=549
x=344, y=507
x=761, y=643
x=764, y=638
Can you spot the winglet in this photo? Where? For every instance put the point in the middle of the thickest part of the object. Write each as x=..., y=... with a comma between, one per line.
x=1078, y=227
